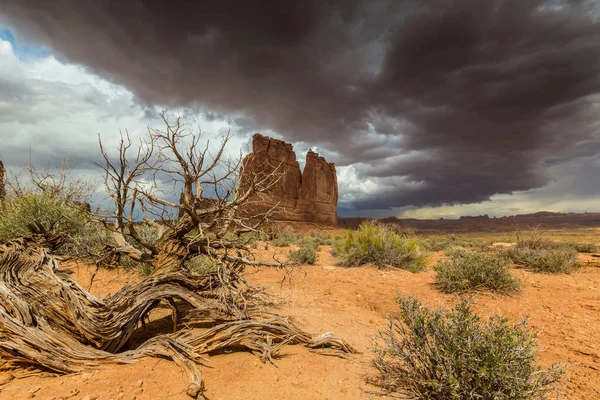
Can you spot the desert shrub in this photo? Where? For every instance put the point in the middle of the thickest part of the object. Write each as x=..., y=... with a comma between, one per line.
x=439, y=243
x=538, y=254
x=202, y=265
x=583, y=247
x=251, y=239
x=322, y=238
x=149, y=234
x=376, y=244
x=90, y=242
x=306, y=253
x=144, y=269
x=437, y=355
x=52, y=213
x=284, y=237
x=554, y=260
x=535, y=240
x=465, y=271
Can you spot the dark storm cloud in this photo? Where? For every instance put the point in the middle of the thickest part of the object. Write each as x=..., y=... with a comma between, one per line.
x=465, y=99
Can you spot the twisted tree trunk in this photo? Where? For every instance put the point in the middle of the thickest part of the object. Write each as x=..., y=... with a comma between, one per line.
x=48, y=320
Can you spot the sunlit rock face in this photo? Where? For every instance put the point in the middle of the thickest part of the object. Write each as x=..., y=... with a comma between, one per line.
x=309, y=196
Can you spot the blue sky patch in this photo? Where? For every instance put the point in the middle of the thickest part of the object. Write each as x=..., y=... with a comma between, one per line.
x=23, y=51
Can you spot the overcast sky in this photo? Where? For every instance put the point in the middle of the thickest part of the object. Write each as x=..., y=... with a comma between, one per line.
x=433, y=108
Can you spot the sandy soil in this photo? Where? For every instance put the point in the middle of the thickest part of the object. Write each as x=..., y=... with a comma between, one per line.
x=352, y=303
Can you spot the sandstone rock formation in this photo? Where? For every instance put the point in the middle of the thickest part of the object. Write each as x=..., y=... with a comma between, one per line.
x=310, y=196
x=2, y=189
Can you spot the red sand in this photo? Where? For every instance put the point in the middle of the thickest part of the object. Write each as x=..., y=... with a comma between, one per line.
x=351, y=303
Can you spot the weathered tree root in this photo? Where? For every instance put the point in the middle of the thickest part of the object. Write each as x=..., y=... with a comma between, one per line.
x=48, y=320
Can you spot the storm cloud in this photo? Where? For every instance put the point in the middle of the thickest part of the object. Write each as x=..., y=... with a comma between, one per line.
x=424, y=102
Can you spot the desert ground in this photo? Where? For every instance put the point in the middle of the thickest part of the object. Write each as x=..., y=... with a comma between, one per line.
x=352, y=303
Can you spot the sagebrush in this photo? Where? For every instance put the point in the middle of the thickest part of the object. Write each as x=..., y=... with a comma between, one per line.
x=464, y=271
x=381, y=246
x=436, y=355
x=52, y=213
x=538, y=254
x=283, y=237
x=306, y=253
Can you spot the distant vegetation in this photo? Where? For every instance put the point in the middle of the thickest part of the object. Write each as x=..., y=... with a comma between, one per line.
x=439, y=243
x=538, y=254
x=583, y=247
x=40, y=210
x=283, y=237
x=381, y=246
x=465, y=271
x=307, y=253
x=428, y=354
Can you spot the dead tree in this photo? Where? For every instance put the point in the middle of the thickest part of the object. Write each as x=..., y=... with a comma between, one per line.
x=213, y=206
x=48, y=320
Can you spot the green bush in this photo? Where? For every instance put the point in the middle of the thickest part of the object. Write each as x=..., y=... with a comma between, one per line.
x=202, y=265
x=439, y=243
x=322, y=238
x=284, y=237
x=144, y=269
x=381, y=246
x=583, y=247
x=89, y=242
x=538, y=254
x=50, y=212
x=148, y=233
x=464, y=271
x=436, y=355
x=307, y=253
x=535, y=241
x=560, y=260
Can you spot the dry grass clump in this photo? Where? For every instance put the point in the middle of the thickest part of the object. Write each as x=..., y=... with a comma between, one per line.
x=465, y=271
x=583, y=247
x=321, y=238
x=439, y=243
x=380, y=245
x=284, y=237
x=437, y=355
x=307, y=253
x=538, y=254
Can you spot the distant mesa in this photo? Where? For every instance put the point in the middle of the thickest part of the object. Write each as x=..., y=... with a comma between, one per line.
x=475, y=217
x=308, y=196
x=483, y=223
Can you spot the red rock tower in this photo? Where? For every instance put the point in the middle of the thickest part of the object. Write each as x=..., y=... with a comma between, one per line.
x=310, y=196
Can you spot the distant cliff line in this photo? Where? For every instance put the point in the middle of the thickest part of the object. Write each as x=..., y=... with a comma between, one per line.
x=482, y=223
